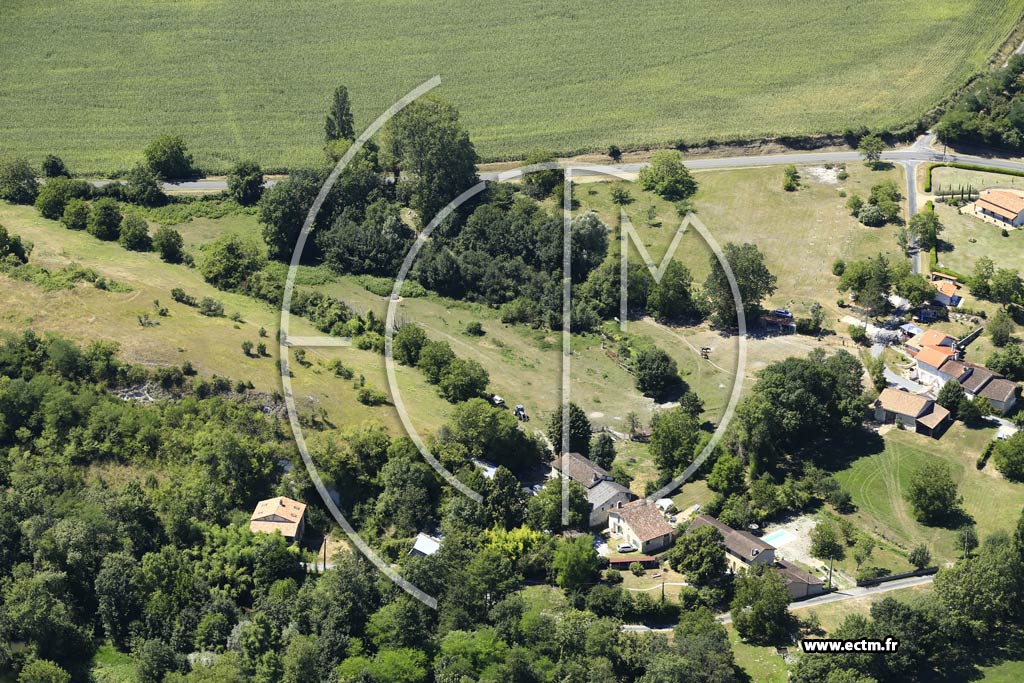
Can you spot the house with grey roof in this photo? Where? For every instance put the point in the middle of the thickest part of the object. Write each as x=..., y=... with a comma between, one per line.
x=743, y=549
x=978, y=381
x=603, y=492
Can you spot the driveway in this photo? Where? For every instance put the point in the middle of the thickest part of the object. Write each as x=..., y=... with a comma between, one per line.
x=908, y=384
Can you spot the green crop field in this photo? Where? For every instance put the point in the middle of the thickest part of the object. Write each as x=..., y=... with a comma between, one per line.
x=95, y=80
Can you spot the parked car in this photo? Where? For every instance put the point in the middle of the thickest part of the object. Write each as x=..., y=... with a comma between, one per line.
x=782, y=313
x=625, y=548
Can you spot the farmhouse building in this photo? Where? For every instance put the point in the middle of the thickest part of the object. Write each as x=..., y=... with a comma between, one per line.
x=1000, y=392
x=799, y=583
x=929, y=360
x=1002, y=207
x=743, y=549
x=642, y=525
x=603, y=493
x=913, y=411
x=280, y=514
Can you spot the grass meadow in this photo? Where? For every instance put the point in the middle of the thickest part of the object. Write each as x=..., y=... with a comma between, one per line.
x=800, y=233
x=877, y=482
x=95, y=81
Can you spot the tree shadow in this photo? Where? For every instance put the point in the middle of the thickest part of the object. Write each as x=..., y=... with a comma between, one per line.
x=834, y=454
x=881, y=166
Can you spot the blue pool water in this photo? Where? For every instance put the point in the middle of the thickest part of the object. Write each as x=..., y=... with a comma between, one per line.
x=778, y=538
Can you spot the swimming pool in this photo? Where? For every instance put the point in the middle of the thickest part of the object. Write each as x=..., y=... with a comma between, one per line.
x=778, y=538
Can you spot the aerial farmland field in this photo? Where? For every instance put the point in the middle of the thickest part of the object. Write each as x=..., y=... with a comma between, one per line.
x=252, y=80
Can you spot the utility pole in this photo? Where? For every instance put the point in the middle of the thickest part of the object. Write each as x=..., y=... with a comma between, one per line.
x=663, y=590
x=830, y=557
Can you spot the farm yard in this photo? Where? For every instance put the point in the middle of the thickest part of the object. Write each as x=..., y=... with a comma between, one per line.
x=239, y=80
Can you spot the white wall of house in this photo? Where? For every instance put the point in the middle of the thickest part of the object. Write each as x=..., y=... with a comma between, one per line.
x=599, y=515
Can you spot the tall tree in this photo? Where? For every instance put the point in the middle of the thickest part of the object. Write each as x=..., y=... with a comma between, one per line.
x=339, y=118
x=753, y=280
x=245, y=183
x=871, y=147
x=168, y=157
x=580, y=430
x=932, y=493
x=429, y=148
x=700, y=554
x=760, y=606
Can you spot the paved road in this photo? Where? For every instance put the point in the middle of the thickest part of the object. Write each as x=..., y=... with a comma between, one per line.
x=839, y=596
x=920, y=151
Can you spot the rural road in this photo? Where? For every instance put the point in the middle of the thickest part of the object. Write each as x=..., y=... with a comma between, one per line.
x=909, y=157
x=839, y=596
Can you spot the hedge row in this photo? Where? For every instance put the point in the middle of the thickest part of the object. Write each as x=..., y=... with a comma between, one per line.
x=965, y=167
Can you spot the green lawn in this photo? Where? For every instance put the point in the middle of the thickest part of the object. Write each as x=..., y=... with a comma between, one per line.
x=945, y=178
x=761, y=664
x=95, y=81
x=111, y=666
x=800, y=233
x=831, y=614
x=1005, y=672
x=961, y=229
x=877, y=482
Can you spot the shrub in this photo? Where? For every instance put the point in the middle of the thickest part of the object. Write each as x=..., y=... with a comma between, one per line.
x=858, y=334
x=179, y=295
x=18, y=183
x=53, y=167
x=340, y=369
x=211, y=307
x=55, y=195
x=636, y=568
x=169, y=244
x=839, y=267
x=141, y=186
x=105, y=220
x=76, y=215
x=855, y=203
x=371, y=397
x=230, y=261
x=135, y=234
x=667, y=177
x=614, y=152
x=475, y=329
x=621, y=196
x=871, y=215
